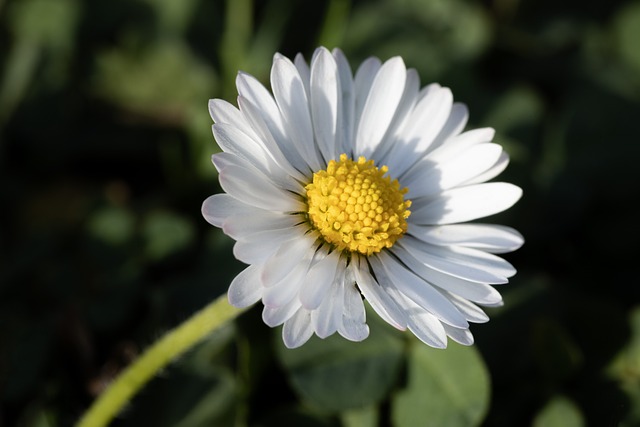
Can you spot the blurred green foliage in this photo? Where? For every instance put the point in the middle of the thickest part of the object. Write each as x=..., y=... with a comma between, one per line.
x=444, y=388
x=105, y=148
x=335, y=375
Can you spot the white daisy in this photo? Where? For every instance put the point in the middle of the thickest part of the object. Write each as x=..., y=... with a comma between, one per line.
x=341, y=189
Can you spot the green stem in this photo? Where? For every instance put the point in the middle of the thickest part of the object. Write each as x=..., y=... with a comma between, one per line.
x=159, y=355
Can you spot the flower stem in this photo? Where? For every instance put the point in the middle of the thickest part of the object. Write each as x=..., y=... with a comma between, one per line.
x=159, y=355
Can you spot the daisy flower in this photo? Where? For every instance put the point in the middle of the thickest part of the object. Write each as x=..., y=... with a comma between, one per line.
x=342, y=188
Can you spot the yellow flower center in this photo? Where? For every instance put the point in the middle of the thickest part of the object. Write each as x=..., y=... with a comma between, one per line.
x=355, y=207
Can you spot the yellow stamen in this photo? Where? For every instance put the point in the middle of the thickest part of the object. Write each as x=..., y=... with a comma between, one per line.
x=355, y=207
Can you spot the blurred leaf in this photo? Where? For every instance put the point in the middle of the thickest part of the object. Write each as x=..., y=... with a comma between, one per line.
x=166, y=233
x=335, y=374
x=520, y=106
x=461, y=26
x=113, y=225
x=37, y=25
x=430, y=35
x=38, y=415
x=45, y=22
x=361, y=417
x=627, y=33
x=200, y=359
x=625, y=368
x=559, y=412
x=446, y=388
x=161, y=81
x=267, y=39
x=203, y=145
x=173, y=16
x=235, y=42
x=335, y=23
x=17, y=75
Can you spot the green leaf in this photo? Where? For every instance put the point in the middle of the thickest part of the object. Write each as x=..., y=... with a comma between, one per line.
x=559, y=412
x=450, y=31
x=627, y=32
x=625, y=369
x=446, y=388
x=361, y=417
x=150, y=81
x=166, y=233
x=335, y=374
x=48, y=23
x=112, y=225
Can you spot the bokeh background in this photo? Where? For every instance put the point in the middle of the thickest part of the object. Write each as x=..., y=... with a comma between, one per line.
x=105, y=147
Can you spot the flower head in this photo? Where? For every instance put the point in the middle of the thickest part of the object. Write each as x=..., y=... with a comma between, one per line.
x=341, y=189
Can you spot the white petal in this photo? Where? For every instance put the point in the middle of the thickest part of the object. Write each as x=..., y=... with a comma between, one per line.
x=472, y=258
x=253, y=91
x=303, y=70
x=478, y=259
x=223, y=112
x=217, y=208
x=328, y=316
x=365, y=75
x=425, y=325
x=488, y=237
x=418, y=129
x=245, y=289
x=233, y=140
x=421, y=292
x=495, y=170
x=275, y=316
x=469, y=310
x=455, y=124
x=244, y=225
x=325, y=92
x=254, y=188
x=281, y=149
x=400, y=121
x=260, y=246
x=461, y=336
x=467, y=203
x=458, y=144
x=346, y=106
x=451, y=146
x=287, y=289
x=354, y=326
x=286, y=258
x=427, y=119
x=380, y=107
x=291, y=97
x=379, y=300
x=319, y=279
x=464, y=167
x=428, y=256
x=264, y=106
x=298, y=329
x=477, y=292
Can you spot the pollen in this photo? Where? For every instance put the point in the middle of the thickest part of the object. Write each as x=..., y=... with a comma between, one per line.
x=355, y=207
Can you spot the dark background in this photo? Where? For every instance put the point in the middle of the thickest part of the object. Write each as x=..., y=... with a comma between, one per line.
x=105, y=147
